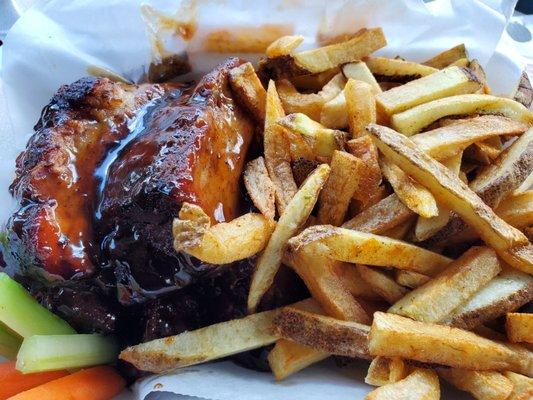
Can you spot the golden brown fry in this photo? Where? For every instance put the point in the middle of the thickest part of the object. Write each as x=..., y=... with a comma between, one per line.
x=342, y=183
x=361, y=106
x=249, y=91
x=519, y=327
x=517, y=209
x=283, y=46
x=277, y=155
x=223, y=243
x=524, y=92
x=395, y=68
x=464, y=277
x=448, y=141
x=302, y=168
x=478, y=70
x=382, y=284
x=381, y=217
x=370, y=178
x=359, y=71
x=411, y=193
x=334, y=114
x=260, y=187
x=352, y=280
x=509, y=242
x=365, y=248
x=421, y=384
x=448, y=82
x=522, y=386
x=288, y=357
x=383, y=370
x=483, y=385
x=395, y=336
x=411, y=279
x=294, y=217
x=447, y=57
x=314, y=82
x=323, y=333
x=413, y=120
x=400, y=231
x=310, y=104
x=462, y=62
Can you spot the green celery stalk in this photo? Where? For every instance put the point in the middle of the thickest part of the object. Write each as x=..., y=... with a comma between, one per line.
x=24, y=315
x=48, y=353
x=9, y=343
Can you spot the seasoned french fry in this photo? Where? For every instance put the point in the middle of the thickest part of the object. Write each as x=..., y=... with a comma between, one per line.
x=483, y=385
x=294, y=217
x=400, y=231
x=396, y=68
x=352, y=280
x=411, y=279
x=517, y=209
x=359, y=71
x=524, y=92
x=484, y=152
x=505, y=293
x=519, y=327
x=260, y=187
x=204, y=344
x=411, y=193
x=447, y=57
x=509, y=243
x=464, y=277
x=310, y=104
x=326, y=334
x=288, y=357
x=249, y=90
x=223, y=243
x=413, y=120
x=342, y=183
x=421, y=384
x=277, y=155
x=448, y=82
x=365, y=248
x=361, y=106
x=283, y=46
x=382, y=284
x=321, y=140
x=383, y=370
x=381, y=217
x=522, y=386
x=448, y=141
x=334, y=114
x=395, y=336
x=370, y=178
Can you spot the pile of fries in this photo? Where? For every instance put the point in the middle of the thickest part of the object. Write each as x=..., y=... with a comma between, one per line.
x=399, y=193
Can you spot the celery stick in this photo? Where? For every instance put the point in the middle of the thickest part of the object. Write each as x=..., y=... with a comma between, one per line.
x=47, y=353
x=9, y=343
x=22, y=314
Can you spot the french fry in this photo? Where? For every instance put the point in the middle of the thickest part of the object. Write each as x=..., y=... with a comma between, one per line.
x=483, y=385
x=447, y=82
x=411, y=279
x=522, y=386
x=517, y=209
x=352, y=280
x=505, y=293
x=509, y=243
x=484, y=152
x=321, y=140
x=361, y=106
x=382, y=284
x=421, y=384
x=448, y=141
x=410, y=192
x=359, y=71
x=325, y=334
x=413, y=120
x=394, y=68
x=204, y=344
x=288, y=357
x=260, y=187
x=524, y=92
x=294, y=217
x=370, y=178
x=249, y=91
x=400, y=231
x=334, y=114
x=519, y=327
x=462, y=62
x=283, y=46
x=382, y=216
x=447, y=57
x=342, y=183
x=383, y=370
x=310, y=104
x=464, y=277
x=277, y=154
x=222, y=243
x=365, y=248
x=314, y=82
x=302, y=168
x=395, y=336
x=478, y=70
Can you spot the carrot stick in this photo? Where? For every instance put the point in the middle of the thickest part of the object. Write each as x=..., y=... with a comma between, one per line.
x=13, y=381
x=98, y=383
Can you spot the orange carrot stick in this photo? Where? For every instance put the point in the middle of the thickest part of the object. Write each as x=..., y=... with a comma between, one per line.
x=13, y=381
x=98, y=383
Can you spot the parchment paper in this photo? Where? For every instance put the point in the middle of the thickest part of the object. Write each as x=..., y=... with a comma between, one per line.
x=55, y=42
